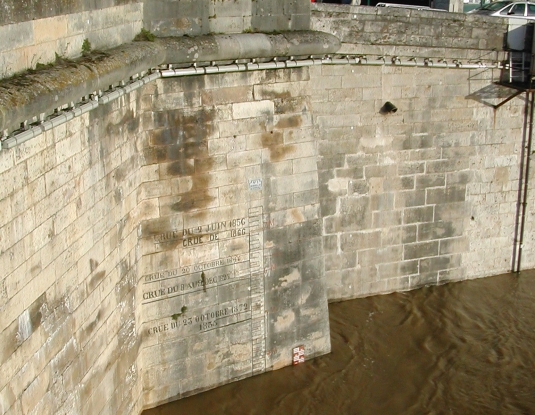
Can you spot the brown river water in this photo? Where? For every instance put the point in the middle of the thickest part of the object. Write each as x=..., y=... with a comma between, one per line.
x=461, y=348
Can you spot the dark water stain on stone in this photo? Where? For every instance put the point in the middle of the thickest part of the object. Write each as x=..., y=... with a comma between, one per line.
x=10, y=341
x=93, y=264
x=88, y=330
x=126, y=168
x=36, y=269
x=162, y=136
x=294, y=121
x=95, y=280
x=121, y=226
x=194, y=126
x=181, y=141
x=170, y=245
x=129, y=123
x=155, y=155
x=272, y=138
x=184, y=167
x=299, y=104
x=35, y=311
x=118, y=195
x=191, y=201
x=124, y=267
x=274, y=142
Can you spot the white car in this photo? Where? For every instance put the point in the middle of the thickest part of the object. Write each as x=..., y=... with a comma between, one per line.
x=405, y=6
x=507, y=8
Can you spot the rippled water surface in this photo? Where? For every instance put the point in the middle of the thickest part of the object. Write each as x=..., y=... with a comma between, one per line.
x=461, y=348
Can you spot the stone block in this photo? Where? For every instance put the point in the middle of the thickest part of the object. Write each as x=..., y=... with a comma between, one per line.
x=244, y=127
x=299, y=183
x=410, y=168
x=231, y=24
x=238, y=8
x=423, y=280
x=305, y=164
x=397, y=269
x=16, y=36
x=457, y=274
x=340, y=261
x=307, y=198
x=409, y=198
x=439, y=230
x=418, y=214
x=420, y=250
x=243, y=158
x=398, y=183
x=386, y=219
x=360, y=240
x=449, y=195
x=35, y=391
x=430, y=180
x=454, y=246
x=439, y=263
x=409, y=234
x=398, y=284
x=227, y=95
x=49, y=29
x=281, y=90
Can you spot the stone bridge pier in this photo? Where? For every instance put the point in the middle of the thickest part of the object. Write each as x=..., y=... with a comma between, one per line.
x=178, y=211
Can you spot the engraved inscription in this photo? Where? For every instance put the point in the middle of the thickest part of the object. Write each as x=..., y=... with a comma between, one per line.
x=211, y=232
x=212, y=285
x=162, y=275
x=218, y=316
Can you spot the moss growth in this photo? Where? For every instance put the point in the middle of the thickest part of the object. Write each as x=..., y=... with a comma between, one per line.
x=145, y=35
x=61, y=60
x=86, y=47
x=177, y=315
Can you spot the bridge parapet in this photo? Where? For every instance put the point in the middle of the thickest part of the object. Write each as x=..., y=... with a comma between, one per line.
x=412, y=33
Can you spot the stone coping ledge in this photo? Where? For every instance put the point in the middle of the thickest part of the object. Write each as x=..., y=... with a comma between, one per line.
x=395, y=13
x=39, y=93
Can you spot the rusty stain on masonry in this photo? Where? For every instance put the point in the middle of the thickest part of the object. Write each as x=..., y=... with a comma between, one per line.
x=93, y=264
x=297, y=215
x=274, y=142
x=293, y=121
x=95, y=280
x=129, y=120
x=183, y=142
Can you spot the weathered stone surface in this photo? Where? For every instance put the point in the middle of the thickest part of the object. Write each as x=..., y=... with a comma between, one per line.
x=39, y=94
x=425, y=34
x=191, y=233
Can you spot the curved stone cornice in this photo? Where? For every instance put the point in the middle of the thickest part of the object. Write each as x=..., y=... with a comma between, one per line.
x=23, y=97
x=248, y=46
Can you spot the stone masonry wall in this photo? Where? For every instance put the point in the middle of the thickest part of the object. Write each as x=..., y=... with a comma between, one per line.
x=71, y=205
x=425, y=195
x=37, y=36
x=198, y=17
x=407, y=33
x=37, y=33
x=189, y=234
x=232, y=274
x=458, y=222
x=18, y=11
x=200, y=193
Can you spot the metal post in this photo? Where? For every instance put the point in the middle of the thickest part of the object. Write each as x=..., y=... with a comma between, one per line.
x=526, y=182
